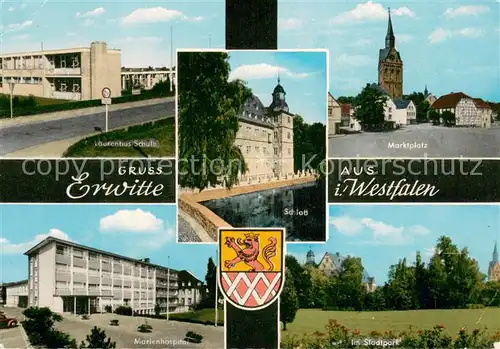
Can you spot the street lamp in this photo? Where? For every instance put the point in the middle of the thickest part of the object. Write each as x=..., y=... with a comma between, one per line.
x=11, y=89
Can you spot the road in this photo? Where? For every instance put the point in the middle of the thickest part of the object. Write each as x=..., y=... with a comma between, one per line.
x=28, y=135
x=12, y=337
x=427, y=141
x=164, y=334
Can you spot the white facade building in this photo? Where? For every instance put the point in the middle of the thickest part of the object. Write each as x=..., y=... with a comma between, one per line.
x=16, y=294
x=334, y=115
x=405, y=112
x=68, y=277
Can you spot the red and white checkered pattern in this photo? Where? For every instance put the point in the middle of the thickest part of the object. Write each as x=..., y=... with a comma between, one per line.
x=251, y=290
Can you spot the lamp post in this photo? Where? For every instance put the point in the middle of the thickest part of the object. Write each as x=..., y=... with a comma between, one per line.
x=11, y=89
x=168, y=288
x=216, y=287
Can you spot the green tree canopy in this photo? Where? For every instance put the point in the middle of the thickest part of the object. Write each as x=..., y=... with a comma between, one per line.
x=370, y=108
x=289, y=301
x=209, y=106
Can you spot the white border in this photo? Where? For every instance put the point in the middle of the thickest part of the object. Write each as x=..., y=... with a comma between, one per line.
x=327, y=78
x=283, y=255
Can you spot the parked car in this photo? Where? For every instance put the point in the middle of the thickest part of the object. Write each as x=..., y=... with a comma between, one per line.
x=6, y=322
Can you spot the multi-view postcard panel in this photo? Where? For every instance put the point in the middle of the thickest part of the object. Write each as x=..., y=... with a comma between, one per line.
x=252, y=133
x=401, y=88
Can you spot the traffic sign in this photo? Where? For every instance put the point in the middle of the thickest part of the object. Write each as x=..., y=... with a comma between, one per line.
x=106, y=101
x=106, y=93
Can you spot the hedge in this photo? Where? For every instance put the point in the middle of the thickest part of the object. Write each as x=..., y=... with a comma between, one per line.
x=116, y=135
x=72, y=105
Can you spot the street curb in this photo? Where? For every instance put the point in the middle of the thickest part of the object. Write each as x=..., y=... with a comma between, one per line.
x=68, y=114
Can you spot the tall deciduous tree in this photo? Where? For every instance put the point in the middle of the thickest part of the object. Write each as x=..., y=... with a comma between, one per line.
x=370, y=108
x=211, y=280
x=289, y=301
x=209, y=106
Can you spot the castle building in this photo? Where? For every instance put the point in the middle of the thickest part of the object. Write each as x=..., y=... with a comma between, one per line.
x=331, y=265
x=494, y=267
x=390, y=65
x=265, y=136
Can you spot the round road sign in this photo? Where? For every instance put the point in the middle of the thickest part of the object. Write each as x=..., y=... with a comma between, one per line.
x=106, y=92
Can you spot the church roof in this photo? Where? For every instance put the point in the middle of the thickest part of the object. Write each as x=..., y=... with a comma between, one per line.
x=337, y=259
x=449, y=101
x=254, y=112
x=401, y=104
x=279, y=89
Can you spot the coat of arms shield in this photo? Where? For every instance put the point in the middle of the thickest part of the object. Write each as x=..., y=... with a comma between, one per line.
x=251, y=266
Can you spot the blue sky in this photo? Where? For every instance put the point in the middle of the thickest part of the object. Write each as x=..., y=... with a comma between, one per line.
x=133, y=231
x=303, y=75
x=383, y=234
x=140, y=29
x=451, y=46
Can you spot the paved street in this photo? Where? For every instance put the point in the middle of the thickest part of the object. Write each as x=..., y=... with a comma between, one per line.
x=23, y=136
x=12, y=337
x=427, y=141
x=164, y=334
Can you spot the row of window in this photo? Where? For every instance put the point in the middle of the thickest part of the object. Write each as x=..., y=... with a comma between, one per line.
x=20, y=80
x=257, y=149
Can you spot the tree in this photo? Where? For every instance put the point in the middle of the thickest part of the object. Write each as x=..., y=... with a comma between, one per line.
x=97, y=339
x=434, y=116
x=289, y=302
x=346, y=100
x=39, y=324
x=301, y=281
x=370, y=105
x=422, y=106
x=401, y=287
x=157, y=309
x=448, y=118
x=209, y=108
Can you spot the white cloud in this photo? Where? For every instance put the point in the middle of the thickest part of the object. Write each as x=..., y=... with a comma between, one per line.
x=468, y=10
x=369, y=11
x=347, y=225
x=151, y=15
x=379, y=233
x=290, y=23
x=263, y=71
x=93, y=13
x=131, y=221
x=8, y=247
x=11, y=9
x=404, y=38
x=440, y=34
x=19, y=26
x=345, y=60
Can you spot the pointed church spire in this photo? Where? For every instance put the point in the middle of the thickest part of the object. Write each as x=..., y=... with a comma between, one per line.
x=278, y=76
x=495, y=254
x=426, y=91
x=390, y=39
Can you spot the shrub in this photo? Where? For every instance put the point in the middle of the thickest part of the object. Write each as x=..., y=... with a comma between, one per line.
x=39, y=326
x=193, y=337
x=475, y=306
x=98, y=339
x=114, y=322
x=123, y=310
x=145, y=327
x=108, y=309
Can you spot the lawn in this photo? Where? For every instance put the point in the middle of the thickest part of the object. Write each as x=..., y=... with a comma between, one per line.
x=199, y=315
x=312, y=320
x=162, y=133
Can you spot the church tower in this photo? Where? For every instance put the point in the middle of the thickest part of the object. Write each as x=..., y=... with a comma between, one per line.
x=390, y=65
x=310, y=258
x=494, y=268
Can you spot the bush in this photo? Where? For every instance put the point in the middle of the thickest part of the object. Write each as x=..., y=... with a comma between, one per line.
x=475, y=306
x=123, y=310
x=39, y=326
x=108, y=309
x=98, y=339
x=193, y=337
x=145, y=327
x=114, y=322
x=335, y=333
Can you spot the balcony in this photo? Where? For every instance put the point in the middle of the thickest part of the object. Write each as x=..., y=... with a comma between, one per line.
x=63, y=292
x=93, y=264
x=63, y=276
x=81, y=278
x=107, y=292
x=79, y=262
x=79, y=291
x=94, y=279
x=106, y=281
x=63, y=259
x=94, y=292
x=51, y=71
